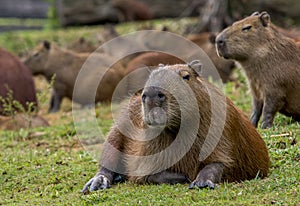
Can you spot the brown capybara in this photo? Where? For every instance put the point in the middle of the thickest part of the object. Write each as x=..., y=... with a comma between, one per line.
x=15, y=78
x=181, y=129
x=48, y=60
x=271, y=63
x=132, y=10
x=81, y=45
x=19, y=121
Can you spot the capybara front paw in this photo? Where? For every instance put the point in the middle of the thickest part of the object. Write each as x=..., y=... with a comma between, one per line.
x=202, y=184
x=99, y=182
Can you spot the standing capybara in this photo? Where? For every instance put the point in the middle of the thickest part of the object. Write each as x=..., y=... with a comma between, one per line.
x=49, y=60
x=16, y=78
x=271, y=62
x=180, y=129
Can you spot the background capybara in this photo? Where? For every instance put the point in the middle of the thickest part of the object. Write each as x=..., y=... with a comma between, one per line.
x=152, y=59
x=81, y=45
x=47, y=59
x=19, y=121
x=165, y=116
x=272, y=65
x=15, y=77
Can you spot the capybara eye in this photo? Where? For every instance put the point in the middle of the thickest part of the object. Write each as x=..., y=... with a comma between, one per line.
x=144, y=98
x=186, y=77
x=161, y=96
x=246, y=28
x=36, y=54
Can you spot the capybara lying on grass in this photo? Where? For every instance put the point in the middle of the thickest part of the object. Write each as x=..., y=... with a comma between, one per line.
x=181, y=129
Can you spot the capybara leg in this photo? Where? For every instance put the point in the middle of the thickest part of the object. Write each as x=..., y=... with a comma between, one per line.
x=271, y=106
x=208, y=176
x=166, y=177
x=102, y=180
x=55, y=102
x=257, y=107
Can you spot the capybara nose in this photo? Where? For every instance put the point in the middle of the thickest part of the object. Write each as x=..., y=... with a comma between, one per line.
x=153, y=94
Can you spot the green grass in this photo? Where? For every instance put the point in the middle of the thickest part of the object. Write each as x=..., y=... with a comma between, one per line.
x=49, y=166
x=22, y=22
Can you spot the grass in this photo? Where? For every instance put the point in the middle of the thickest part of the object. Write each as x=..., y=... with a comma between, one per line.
x=49, y=166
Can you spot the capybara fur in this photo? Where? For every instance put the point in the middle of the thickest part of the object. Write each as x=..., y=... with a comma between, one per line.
x=47, y=59
x=151, y=59
x=19, y=121
x=107, y=33
x=148, y=61
x=132, y=10
x=15, y=78
x=157, y=139
x=271, y=63
x=82, y=45
x=206, y=41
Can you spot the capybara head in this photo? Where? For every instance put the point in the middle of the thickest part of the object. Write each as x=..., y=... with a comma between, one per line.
x=37, y=58
x=245, y=38
x=163, y=91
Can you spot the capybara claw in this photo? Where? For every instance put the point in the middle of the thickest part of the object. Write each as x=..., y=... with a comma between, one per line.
x=99, y=182
x=202, y=184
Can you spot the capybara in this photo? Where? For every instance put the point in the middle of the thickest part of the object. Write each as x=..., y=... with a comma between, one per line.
x=81, y=45
x=271, y=63
x=15, y=78
x=132, y=10
x=181, y=129
x=19, y=121
x=107, y=33
x=47, y=59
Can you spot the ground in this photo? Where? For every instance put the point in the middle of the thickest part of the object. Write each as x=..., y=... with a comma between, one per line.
x=49, y=166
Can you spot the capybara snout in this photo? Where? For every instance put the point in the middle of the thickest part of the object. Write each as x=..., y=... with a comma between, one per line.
x=154, y=106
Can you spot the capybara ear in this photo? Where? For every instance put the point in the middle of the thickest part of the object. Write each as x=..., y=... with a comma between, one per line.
x=212, y=38
x=255, y=13
x=196, y=66
x=47, y=44
x=265, y=18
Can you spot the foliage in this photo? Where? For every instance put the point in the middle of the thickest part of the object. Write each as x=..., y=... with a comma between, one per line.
x=10, y=106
